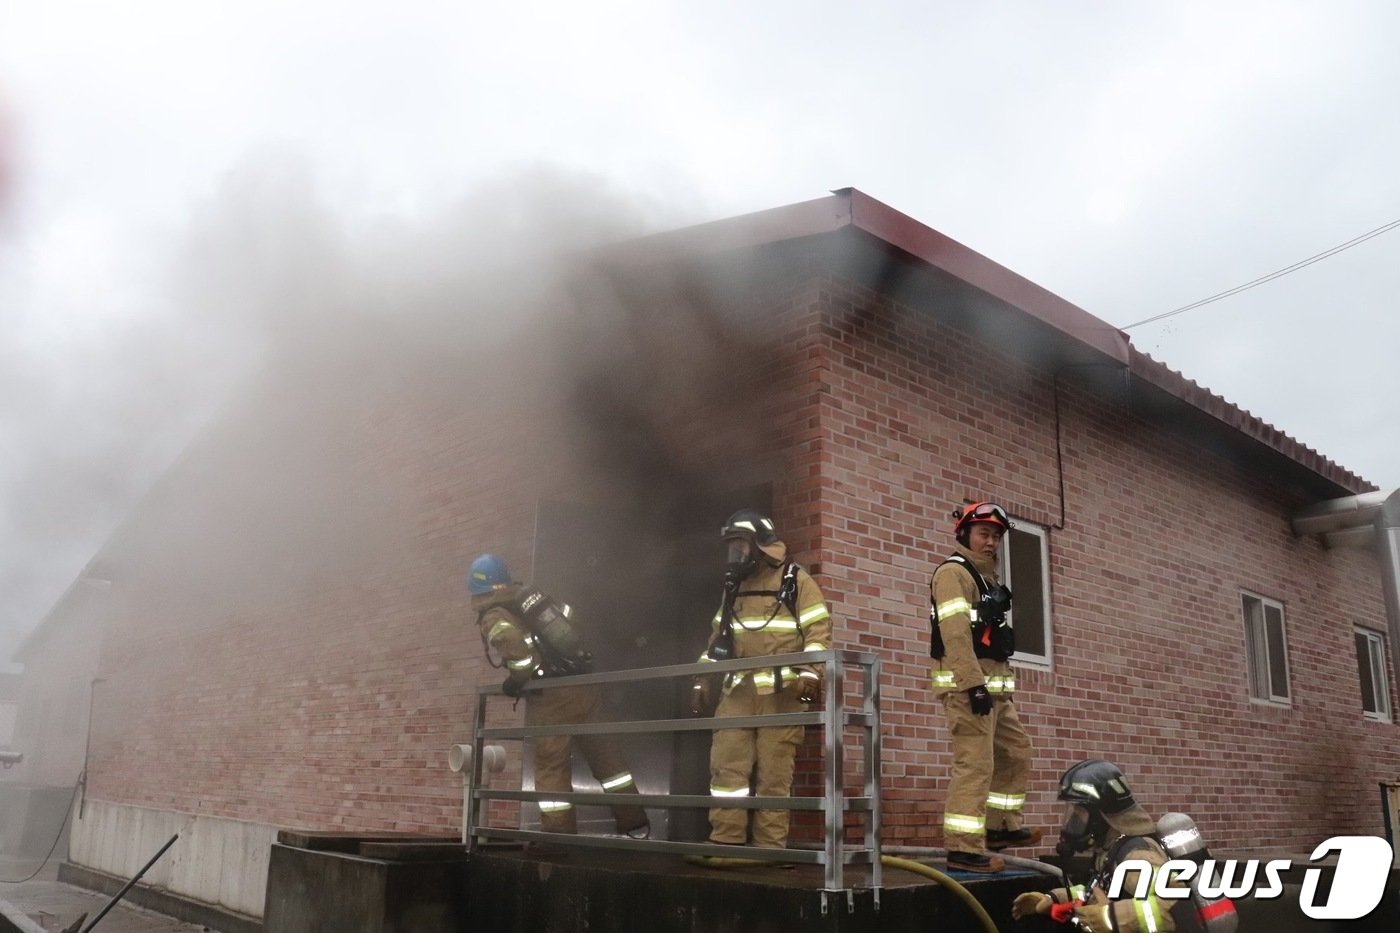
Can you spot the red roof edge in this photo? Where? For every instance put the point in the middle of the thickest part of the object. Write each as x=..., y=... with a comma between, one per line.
x=1169, y=380
x=851, y=207
x=924, y=243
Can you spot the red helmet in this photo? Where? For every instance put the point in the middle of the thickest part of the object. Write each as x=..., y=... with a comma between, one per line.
x=987, y=512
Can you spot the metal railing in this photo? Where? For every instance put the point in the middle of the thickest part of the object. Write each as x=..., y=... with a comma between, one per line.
x=833, y=716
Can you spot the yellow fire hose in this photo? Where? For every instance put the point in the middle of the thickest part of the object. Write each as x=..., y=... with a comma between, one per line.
x=919, y=868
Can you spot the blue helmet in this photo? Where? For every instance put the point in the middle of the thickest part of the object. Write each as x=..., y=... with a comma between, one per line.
x=488, y=572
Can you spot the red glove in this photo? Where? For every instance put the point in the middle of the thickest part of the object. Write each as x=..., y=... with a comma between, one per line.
x=1062, y=913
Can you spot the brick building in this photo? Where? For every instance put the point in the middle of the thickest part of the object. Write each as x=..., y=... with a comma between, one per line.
x=289, y=642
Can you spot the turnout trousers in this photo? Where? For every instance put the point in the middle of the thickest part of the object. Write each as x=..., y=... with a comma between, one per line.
x=554, y=769
x=991, y=765
x=734, y=754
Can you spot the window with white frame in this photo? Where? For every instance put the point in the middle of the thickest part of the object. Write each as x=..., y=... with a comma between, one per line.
x=1266, y=648
x=1370, y=664
x=1025, y=568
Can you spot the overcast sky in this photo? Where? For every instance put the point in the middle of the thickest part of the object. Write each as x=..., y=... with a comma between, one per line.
x=1131, y=157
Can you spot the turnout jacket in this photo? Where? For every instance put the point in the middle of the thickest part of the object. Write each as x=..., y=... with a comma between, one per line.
x=1127, y=914
x=763, y=625
x=953, y=593
x=510, y=637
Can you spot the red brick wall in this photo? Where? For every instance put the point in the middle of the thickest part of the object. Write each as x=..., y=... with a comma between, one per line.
x=291, y=641
x=1158, y=540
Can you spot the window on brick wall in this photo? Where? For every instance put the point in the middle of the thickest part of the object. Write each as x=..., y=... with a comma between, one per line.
x=1025, y=562
x=1267, y=650
x=1370, y=664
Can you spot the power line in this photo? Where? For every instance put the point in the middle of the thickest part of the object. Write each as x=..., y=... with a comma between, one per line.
x=1384, y=228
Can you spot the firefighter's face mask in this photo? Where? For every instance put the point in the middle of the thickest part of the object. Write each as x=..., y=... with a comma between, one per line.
x=1082, y=828
x=740, y=557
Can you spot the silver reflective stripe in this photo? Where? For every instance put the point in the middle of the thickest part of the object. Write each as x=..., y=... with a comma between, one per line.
x=705, y=659
x=555, y=806
x=1181, y=837
x=1001, y=683
x=815, y=614
x=620, y=780
x=1006, y=801
x=728, y=791
x=1089, y=790
x=964, y=824
x=748, y=525
x=524, y=664
x=567, y=610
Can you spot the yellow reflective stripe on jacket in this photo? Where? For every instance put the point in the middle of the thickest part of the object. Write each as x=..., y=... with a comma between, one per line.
x=1076, y=893
x=960, y=823
x=526, y=663
x=814, y=646
x=499, y=628
x=997, y=684
x=1148, y=910
x=1149, y=914
x=1006, y=801
x=555, y=806
x=815, y=614
x=952, y=607
x=763, y=623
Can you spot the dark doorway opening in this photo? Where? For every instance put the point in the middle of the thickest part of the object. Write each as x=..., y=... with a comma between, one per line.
x=645, y=587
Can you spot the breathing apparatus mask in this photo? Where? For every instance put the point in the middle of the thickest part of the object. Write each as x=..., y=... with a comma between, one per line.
x=1082, y=829
x=740, y=559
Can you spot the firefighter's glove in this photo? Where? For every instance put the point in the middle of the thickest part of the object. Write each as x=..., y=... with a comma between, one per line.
x=1096, y=918
x=980, y=700
x=809, y=688
x=1030, y=903
x=702, y=695
x=1061, y=913
x=513, y=688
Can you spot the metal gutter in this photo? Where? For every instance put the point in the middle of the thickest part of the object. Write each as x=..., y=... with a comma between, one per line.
x=1372, y=517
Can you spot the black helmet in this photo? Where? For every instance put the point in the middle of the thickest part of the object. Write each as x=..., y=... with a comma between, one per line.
x=752, y=523
x=1098, y=785
x=1093, y=789
x=749, y=531
x=1098, y=799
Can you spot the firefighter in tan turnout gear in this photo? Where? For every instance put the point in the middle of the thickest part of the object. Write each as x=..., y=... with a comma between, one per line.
x=972, y=643
x=771, y=606
x=535, y=638
x=1102, y=817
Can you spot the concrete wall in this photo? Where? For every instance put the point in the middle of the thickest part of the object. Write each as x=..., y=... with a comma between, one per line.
x=215, y=861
